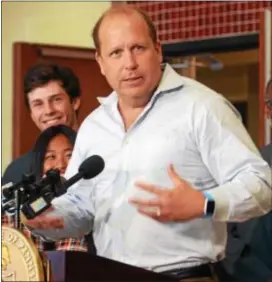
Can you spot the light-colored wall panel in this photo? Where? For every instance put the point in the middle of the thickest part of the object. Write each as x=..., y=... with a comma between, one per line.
x=62, y=23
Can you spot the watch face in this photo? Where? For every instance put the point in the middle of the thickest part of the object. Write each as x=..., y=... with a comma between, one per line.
x=210, y=207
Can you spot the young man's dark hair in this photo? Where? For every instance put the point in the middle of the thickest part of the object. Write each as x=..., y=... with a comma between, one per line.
x=41, y=74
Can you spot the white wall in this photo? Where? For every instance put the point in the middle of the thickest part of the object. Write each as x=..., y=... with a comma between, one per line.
x=62, y=23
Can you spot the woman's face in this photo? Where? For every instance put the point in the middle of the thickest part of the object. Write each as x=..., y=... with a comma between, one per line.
x=58, y=154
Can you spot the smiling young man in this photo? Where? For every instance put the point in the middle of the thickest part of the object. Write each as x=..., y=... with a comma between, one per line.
x=52, y=95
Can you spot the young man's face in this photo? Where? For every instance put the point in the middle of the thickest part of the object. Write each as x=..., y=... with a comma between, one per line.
x=50, y=105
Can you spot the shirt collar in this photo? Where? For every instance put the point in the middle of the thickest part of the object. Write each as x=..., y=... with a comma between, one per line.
x=170, y=80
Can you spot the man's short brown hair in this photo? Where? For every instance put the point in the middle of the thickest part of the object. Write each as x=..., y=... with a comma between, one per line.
x=123, y=9
x=43, y=73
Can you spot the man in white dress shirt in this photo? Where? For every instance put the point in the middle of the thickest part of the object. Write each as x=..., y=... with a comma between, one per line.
x=179, y=163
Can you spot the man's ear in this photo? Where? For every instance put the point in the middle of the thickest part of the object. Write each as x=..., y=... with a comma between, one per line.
x=76, y=103
x=99, y=61
x=158, y=48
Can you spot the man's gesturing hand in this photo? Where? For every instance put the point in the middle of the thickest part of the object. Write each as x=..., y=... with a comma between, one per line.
x=44, y=221
x=180, y=203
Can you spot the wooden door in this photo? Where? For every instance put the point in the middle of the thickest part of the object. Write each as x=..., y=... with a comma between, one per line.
x=80, y=60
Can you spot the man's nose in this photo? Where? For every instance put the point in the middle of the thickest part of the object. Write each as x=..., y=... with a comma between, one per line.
x=130, y=60
x=48, y=108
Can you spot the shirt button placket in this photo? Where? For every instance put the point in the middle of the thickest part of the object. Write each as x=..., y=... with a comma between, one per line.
x=125, y=153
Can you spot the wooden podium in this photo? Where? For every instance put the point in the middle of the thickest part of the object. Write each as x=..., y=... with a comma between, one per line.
x=21, y=261
x=81, y=266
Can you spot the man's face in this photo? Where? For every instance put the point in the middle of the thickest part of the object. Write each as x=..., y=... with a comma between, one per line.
x=50, y=105
x=128, y=57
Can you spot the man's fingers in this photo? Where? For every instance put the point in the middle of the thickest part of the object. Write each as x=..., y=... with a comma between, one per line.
x=145, y=203
x=45, y=222
x=52, y=223
x=40, y=216
x=176, y=179
x=55, y=223
x=46, y=212
x=154, y=212
x=148, y=187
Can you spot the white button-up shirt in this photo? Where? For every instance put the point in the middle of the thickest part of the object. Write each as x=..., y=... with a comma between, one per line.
x=201, y=134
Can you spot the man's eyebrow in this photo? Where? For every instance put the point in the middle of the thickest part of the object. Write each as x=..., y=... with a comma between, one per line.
x=55, y=95
x=36, y=100
x=49, y=97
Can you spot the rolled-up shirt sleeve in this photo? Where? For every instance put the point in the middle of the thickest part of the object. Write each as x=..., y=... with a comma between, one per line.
x=77, y=213
x=243, y=177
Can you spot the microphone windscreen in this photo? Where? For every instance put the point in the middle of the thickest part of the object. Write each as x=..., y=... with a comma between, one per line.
x=62, y=179
x=92, y=166
x=60, y=189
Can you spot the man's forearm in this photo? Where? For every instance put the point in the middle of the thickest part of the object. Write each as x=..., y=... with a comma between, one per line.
x=77, y=221
x=245, y=197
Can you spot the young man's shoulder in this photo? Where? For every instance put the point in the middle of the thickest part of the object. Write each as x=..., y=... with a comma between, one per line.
x=17, y=168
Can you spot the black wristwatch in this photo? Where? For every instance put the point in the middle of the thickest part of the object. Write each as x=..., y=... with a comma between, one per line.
x=209, y=205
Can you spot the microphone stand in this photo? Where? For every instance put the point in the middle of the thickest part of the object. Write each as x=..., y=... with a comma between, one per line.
x=18, y=194
x=18, y=200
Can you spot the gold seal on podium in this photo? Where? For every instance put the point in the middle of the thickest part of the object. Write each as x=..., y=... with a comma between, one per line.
x=20, y=258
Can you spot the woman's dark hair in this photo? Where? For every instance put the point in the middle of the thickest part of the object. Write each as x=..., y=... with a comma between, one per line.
x=42, y=142
x=43, y=73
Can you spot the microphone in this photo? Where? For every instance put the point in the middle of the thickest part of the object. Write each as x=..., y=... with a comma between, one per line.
x=52, y=182
x=50, y=185
x=7, y=205
x=9, y=189
x=4, y=190
x=59, y=189
x=90, y=168
x=8, y=208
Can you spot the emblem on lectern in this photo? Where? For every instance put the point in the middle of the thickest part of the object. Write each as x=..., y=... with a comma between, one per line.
x=20, y=258
x=7, y=274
